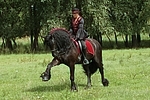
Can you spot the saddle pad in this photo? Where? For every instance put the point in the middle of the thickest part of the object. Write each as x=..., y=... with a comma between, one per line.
x=89, y=46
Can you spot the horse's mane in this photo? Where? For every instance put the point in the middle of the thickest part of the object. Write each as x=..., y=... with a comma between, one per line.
x=62, y=39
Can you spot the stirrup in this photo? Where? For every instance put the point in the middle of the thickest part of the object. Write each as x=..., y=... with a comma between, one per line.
x=85, y=62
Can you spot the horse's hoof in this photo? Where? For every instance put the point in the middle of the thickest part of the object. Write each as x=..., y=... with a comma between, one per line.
x=105, y=82
x=74, y=90
x=88, y=86
x=45, y=78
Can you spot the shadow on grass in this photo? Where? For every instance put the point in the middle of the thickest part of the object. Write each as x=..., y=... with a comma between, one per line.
x=53, y=88
x=82, y=85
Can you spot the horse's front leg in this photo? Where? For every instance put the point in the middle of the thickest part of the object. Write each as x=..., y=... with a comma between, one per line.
x=47, y=74
x=73, y=85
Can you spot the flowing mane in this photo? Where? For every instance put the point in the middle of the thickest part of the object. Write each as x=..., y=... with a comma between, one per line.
x=64, y=51
x=62, y=38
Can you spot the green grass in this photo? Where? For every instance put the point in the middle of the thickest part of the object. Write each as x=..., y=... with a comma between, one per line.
x=127, y=70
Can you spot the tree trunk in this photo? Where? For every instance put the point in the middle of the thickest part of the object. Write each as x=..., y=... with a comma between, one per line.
x=116, y=40
x=111, y=44
x=31, y=25
x=15, y=44
x=138, y=39
x=100, y=38
x=134, y=41
x=35, y=24
x=126, y=41
x=31, y=38
x=3, y=43
x=35, y=42
x=95, y=36
x=9, y=44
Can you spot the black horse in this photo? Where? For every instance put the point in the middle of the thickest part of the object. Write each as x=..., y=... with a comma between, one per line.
x=65, y=50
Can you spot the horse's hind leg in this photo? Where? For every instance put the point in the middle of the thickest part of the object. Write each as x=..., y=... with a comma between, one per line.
x=105, y=82
x=88, y=74
x=89, y=80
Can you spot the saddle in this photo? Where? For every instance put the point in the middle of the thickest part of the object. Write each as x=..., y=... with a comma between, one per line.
x=89, y=46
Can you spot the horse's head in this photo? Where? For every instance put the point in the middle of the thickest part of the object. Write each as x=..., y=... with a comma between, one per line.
x=49, y=41
x=59, y=41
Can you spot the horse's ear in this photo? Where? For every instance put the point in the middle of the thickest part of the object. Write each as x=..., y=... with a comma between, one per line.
x=49, y=36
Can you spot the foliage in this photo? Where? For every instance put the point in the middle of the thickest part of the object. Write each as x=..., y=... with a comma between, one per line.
x=12, y=25
x=19, y=19
x=100, y=19
x=129, y=16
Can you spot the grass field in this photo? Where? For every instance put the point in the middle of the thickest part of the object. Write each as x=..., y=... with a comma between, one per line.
x=127, y=70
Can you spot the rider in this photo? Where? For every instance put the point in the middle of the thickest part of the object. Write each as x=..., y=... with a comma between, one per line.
x=76, y=29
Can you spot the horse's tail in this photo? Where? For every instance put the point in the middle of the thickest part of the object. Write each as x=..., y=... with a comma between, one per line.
x=93, y=66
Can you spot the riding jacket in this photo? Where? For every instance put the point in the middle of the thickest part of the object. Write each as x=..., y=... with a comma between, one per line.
x=76, y=28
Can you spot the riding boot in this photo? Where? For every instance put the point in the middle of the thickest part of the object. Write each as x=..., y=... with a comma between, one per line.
x=85, y=61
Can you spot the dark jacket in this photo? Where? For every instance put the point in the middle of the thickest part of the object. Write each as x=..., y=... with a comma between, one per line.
x=77, y=28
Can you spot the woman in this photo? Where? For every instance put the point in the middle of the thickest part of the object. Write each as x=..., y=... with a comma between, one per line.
x=76, y=29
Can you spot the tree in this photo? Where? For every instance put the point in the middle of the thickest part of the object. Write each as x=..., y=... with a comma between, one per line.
x=36, y=17
x=11, y=22
x=129, y=17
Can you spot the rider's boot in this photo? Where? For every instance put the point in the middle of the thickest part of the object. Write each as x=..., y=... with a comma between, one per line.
x=85, y=61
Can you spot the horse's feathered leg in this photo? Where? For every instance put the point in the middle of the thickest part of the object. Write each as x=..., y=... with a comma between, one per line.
x=105, y=82
x=88, y=78
x=72, y=70
x=88, y=73
x=47, y=74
